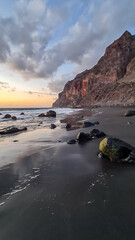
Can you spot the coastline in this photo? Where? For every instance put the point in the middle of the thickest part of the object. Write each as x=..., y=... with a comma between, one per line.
x=54, y=190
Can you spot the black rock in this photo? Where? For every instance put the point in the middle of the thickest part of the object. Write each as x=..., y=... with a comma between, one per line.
x=96, y=123
x=22, y=113
x=53, y=126
x=51, y=113
x=14, y=118
x=87, y=124
x=95, y=133
x=10, y=130
x=41, y=115
x=129, y=113
x=83, y=137
x=72, y=141
x=7, y=116
x=68, y=125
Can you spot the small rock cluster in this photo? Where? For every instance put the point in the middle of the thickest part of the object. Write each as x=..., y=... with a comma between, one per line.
x=50, y=113
x=84, y=137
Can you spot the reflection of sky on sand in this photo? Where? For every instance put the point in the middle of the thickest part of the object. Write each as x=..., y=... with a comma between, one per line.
x=26, y=143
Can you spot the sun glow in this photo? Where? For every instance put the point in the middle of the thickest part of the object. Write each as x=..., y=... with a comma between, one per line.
x=18, y=99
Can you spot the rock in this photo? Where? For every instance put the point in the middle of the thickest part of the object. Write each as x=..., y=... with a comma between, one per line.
x=87, y=124
x=10, y=130
x=72, y=141
x=7, y=116
x=68, y=126
x=53, y=126
x=95, y=133
x=129, y=123
x=117, y=150
x=96, y=123
x=129, y=113
x=83, y=137
x=22, y=113
x=0, y=113
x=41, y=115
x=100, y=155
x=14, y=118
x=110, y=82
x=51, y=113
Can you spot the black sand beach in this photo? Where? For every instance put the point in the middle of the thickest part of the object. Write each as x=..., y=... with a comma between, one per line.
x=55, y=191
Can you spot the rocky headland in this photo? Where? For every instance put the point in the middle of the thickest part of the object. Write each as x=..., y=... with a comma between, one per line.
x=110, y=82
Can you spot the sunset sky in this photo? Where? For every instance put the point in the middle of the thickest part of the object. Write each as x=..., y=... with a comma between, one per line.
x=45, y=43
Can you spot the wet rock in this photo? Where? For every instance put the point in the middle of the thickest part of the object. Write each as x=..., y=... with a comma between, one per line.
x=96, y=123
x=14, y=118
x=100, y=155
x=15, y=141
x=41, y=115
x=87, y=124
x=129, y=123
x=22, y=113
x=10, y=130
x=95, y=133
x=7, y=116
x=0, y=113
x=72, y=141
x=129, y=113
x=68, y=126
x=53, y=126
x=51, y=113
x=83, y=137
x=117, y=150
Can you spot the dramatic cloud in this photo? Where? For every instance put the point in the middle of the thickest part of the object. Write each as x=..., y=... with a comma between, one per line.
x=38, y=39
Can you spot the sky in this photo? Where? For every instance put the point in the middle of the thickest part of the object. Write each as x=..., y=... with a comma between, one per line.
x=45, y=43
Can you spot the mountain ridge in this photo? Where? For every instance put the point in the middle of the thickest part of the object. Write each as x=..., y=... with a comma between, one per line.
x=110, y=82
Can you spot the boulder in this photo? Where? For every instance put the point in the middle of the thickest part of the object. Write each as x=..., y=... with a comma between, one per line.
x=95, y=133
x=117, y=150
x=68, y=126
x=10, y=130
x=41, y=115
x=22, y=113
x=7, y=116
x=87, y=124
x=129, y=113
x=14, y=118
x=83, y=137
x=72, y=141
x=0, y=113
x=51, y=113
x=53, y=126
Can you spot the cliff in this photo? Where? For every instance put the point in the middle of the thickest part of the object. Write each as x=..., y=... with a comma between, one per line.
x=110, y=82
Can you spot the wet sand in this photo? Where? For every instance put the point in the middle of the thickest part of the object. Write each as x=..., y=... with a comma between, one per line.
x=52, y=190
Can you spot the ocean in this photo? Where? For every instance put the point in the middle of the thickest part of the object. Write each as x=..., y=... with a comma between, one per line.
x=30, y=118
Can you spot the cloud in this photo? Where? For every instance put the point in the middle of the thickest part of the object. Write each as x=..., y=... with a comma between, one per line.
x=5, y=85
x=39, y=38
x=56, y=85
x=38, y=93
x=25, y=36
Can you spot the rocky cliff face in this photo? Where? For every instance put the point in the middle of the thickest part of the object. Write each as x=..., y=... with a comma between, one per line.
x=110, y=82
